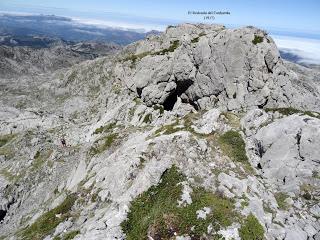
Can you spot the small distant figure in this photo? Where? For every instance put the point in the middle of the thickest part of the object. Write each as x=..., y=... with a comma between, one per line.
x=63, y=142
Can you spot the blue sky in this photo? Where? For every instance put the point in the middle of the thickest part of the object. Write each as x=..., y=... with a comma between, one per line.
x=294, y=24
x=276, y=15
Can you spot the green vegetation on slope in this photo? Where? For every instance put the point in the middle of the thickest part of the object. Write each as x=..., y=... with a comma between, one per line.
x=106, y=143
x=147, y=118
x=40, y=158
x=169, y=129
x=233, y=146
x=156, y=211
x=6, y=149
x=106, y=128
x=136, y=57
x=174, y=45
x=196, y=39
x=251, y=229
x=290, y=111
x=257, y=39
x=281, y=197
x=45, y=224
x=4, y=139
x=71, y=235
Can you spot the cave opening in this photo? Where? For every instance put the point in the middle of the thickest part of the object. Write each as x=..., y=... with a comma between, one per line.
x=3, y=213
x=171, y=100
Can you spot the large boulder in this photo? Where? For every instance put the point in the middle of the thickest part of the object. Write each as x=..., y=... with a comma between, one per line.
x=289, y=149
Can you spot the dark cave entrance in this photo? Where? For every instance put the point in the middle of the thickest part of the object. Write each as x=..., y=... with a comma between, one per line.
x=3, y=213
x=171, y=100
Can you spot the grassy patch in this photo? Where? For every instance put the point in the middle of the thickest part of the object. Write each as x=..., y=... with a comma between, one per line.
x=290, y=111
x=195, y=40
x=45, y=224
x=156, y=211
x=244, y=202
x=40, y=158
x=233, y=146
x=281, y=197
x=106, y=128
x=147, y=118
x=107, y=142
x=8, y=175
x=174, y=45
x=136, y=57
x=71, y=235
x=316, y=174
x=184, y=124
x=4, y=139
x=267, y=208
x=6, y=149
x=257, y=39
x=251, y=229
x=232, y=119
x=159, y=107
x=169, y=129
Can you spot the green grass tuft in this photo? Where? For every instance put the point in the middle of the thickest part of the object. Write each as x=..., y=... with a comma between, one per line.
x=159, y=107
x=40, y=158
x=257, y=39
x=45, y=224
x=290, y=111
x=251, y=229
x=169, y=129
x=135, y=57
x=105, y=128
x=174, y=45
x=233, y=146
x=147, y=118
x=71, y=235
x=8, y=175
x=107, y=142
x=4, y=139
x=156, y=211
x=195, y=40
x=281, y=197
x=316, y=174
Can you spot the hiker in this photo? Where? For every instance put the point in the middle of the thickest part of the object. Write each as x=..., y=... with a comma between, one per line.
x=63, y=142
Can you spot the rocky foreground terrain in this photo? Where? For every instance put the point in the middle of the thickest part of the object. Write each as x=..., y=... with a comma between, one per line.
x=201, y=132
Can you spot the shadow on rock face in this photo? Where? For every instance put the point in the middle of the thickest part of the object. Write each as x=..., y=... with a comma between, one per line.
x=182, y=87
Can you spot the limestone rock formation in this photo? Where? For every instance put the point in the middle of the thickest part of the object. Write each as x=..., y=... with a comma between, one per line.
x=202, y=132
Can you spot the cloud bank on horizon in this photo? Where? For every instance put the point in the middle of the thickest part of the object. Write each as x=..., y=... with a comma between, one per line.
x=305, y=50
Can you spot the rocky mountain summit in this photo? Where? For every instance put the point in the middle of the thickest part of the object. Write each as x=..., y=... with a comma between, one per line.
x=201, y=132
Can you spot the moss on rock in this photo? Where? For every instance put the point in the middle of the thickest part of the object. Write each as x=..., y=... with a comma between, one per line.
x=156, y=211
x=251, y=229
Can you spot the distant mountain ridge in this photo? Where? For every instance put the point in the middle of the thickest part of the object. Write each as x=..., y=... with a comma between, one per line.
x=22, y=29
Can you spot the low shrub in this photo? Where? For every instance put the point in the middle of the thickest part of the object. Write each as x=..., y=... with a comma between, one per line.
x=251, y=229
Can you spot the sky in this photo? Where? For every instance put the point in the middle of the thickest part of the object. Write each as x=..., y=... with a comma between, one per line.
x=294, y=24
x=278, y=15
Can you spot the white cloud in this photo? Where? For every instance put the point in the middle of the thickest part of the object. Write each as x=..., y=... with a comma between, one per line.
x=306, y=49
x=119, y=25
